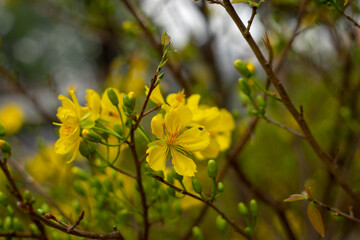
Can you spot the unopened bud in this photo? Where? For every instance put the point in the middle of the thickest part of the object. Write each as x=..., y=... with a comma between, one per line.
x=212, y=168
x=118, y=129
x=84, y=150
x=244, y=86
x=91, y=135
x=253, y=208
x=112, y=96
x=221, y=224
x=3, y=199
x=5, y=148
x=129, y=102
x=196, y=185
x=197, y=233
x=243, y=209
x=220, y=187
x=248, y=231
x=242, y=68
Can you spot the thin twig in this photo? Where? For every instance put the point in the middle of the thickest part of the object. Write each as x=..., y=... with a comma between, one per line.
x=254, y=10
x=336, y=211
x=284, y=127
x=348, y=17
x=77, y=222
x=151, y=110
x=209, y=203
x=123, y=172
x=176, y=71
x=326, y=159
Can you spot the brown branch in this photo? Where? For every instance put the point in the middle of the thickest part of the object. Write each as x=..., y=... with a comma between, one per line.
x=151, y=110
x=77, y=222
x=348, y=17
x=176, y=71
x=123, y=172
x=41, y=220
x=326, y=159
x=208, y=203
x=20, y=235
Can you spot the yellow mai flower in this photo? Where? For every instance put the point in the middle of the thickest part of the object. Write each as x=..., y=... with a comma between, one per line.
x=178, y=138
x=12, y=118
x=109, y=112
x=220, y=124
x=93, y=100
x=70, y=115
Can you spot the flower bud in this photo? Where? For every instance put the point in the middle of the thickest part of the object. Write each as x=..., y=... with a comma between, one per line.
x=41, y=212
x=221, y=224
x=197, y=233
x=2, y=130
x=3, y=199
x=8, y=223
x=27, y=195
x=10, y=211
x=253, y=208
x=91, y=135
x=176, y=175
x=212, y=168
x=196, y=185
x=79, y=173
x=242, y=68
x=220, y=187
x=129, y=102
x=243, y=209
x=248, y=231
x=5, y=148
x=112, y=96
x=84, y=150
x=17, y=225
x=159, y=78
x=244, y=86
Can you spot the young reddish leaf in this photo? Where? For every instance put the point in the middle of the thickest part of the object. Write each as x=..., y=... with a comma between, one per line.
x=295, y=197
x=308, y=191
x=316, y=219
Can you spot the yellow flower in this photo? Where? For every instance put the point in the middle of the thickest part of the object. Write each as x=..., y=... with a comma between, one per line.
x=12, y=118
x=220, y=124
x=70, y=115
x=178, y=137
x=109, y=111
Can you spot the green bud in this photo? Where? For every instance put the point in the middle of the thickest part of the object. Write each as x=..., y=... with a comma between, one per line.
x=10, y=211
x=176, y=175
x=78, y=188
x=196, y=185
x=159, y=78
x=248, y=231
x=221, y=224
x=5, y=148
x=212, y=168
x=84, y=150
x=79, y=173
x=129, y=101
x=3, y=199
x=8, y=223
x=242, y=68
x=112, y=96
x=2, y=130
x=91, y=135
x=45, y=207
x=243, y=210
x=41, y=212
x=197, y=233
x=244, y=86
x=253, y=208
x=260, y=100
x=17, y=225
x=220, y=187
x=118, y=129
x=171, y=191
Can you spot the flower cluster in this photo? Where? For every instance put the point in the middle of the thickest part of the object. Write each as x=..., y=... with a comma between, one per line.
x=185, y=129
x=94, y=122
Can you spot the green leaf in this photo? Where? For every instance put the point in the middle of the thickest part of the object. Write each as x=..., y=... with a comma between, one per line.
x=316, y=219
x=165, y=39
x=87, y=124
x=295, y=197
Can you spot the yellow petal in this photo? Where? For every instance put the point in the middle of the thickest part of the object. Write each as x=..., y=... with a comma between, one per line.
x=176, y=99
x=195, y=139
x=224, y=140
x=177, y=119
x=212, y=151
x=157, y=157
x=156, y=95
x=183, y=165
x=157, y=126
x=227, y=122
x=76, y=151
x=193, y=101
x=93, y=100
